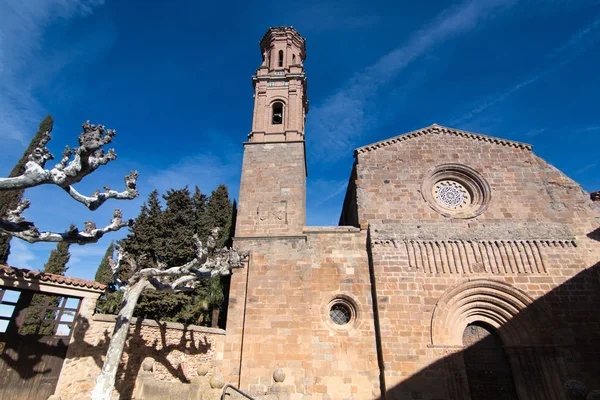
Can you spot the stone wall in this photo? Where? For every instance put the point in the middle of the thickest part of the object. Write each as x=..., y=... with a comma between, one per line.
x=272, y=190
x=279, y=316
x=419, y=326
x=177, y=350
x=523, y=186
x=526, y=266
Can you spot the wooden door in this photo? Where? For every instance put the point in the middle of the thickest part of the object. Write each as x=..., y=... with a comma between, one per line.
x=35, y=335
x=487, y=366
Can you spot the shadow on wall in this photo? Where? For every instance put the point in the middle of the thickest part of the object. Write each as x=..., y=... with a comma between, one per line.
x=31, y=361
x=138, y=349
x=554, y=339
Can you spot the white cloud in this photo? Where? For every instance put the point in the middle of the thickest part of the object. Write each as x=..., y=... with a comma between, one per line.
x=334, y=16
x=21, y=256
x=85, y=259
x=324, y=201
x=22, y=26
x=342, y=117
x=592, y=128
x=586, y=168
x=571, y=49
x=534, y=132
x=205, y=170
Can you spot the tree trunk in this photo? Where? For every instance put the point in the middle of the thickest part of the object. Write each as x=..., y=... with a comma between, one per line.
x=105, y=382
x=215, y=316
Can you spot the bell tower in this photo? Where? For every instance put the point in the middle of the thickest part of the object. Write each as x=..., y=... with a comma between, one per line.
x=273, y=185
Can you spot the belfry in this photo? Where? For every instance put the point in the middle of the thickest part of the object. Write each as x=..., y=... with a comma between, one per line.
x=273, y=184
x=457, y=254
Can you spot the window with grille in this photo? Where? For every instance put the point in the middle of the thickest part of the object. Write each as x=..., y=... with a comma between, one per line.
x=50, y=315
x=8, y=301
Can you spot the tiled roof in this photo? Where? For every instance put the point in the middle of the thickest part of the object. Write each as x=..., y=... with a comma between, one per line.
x=437, y=129
x=12, y=272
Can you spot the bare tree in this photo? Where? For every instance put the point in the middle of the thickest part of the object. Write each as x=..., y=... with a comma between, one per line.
x=209, y=262
x=74, y=165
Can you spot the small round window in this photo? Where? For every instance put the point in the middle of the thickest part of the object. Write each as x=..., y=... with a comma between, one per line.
x=341, y=312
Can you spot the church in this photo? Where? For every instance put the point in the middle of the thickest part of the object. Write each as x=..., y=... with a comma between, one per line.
x=463, y=267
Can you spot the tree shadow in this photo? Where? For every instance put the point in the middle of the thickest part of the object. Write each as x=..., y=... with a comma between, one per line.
x=561, y=344
x=137, y=350
x=35, y=357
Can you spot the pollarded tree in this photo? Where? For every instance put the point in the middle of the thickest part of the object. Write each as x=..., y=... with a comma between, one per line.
x=74, y=165
x=209, y=262
x=9, y=199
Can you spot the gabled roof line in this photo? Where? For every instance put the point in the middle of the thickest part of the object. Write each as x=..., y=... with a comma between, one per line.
x=435, y=128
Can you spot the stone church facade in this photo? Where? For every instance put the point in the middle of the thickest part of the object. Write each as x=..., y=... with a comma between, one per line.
x=464, y=266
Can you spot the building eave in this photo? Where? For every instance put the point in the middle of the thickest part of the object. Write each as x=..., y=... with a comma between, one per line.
x=438, y=129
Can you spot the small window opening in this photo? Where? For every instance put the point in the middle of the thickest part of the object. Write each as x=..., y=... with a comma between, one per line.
x=277, y=113
x=340, y=314
x=281, y=58
x=293, y=59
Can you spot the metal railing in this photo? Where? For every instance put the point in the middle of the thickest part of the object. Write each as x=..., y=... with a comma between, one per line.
x=228, y=386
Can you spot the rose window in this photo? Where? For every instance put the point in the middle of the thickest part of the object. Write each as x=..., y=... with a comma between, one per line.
x=456, y=191
x=451, y=194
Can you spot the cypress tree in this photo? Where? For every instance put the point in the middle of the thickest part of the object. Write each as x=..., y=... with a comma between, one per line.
x=179, y=224
x=147, y=236
x=59, y=257
x=200, y=200
x=104, y=272
x=9, y=199
x=219, y=212
x=166, y=235
x=143, y=238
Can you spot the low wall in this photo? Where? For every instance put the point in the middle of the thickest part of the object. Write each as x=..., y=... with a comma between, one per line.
x=177, y=350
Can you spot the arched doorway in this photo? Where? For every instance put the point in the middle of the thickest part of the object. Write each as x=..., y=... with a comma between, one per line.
x=486, y=364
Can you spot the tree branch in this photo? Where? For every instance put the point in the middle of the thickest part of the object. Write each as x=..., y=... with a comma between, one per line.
x=16, y=225
x=207, y=263
x=94, y=201
x=86, y=159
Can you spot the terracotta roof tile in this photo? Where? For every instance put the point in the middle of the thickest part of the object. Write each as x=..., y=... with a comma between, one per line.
x=13, y=272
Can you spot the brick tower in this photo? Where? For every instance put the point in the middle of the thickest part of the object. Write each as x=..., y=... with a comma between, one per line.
x=273, y=184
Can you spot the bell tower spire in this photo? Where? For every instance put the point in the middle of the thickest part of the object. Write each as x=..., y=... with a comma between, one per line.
x=280, y=102
x=273, y=186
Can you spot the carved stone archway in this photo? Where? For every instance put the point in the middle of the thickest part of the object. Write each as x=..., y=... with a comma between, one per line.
x=493, y=302
x=537, y=365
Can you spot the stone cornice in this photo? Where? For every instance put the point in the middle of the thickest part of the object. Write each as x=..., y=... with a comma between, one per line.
x=274, y=142
x=284, y=31
x=274, y=237
x=496, y=230
x=438, y=129
x=169, y=325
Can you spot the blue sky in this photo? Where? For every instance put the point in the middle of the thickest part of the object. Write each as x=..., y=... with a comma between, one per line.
x=173, y=78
